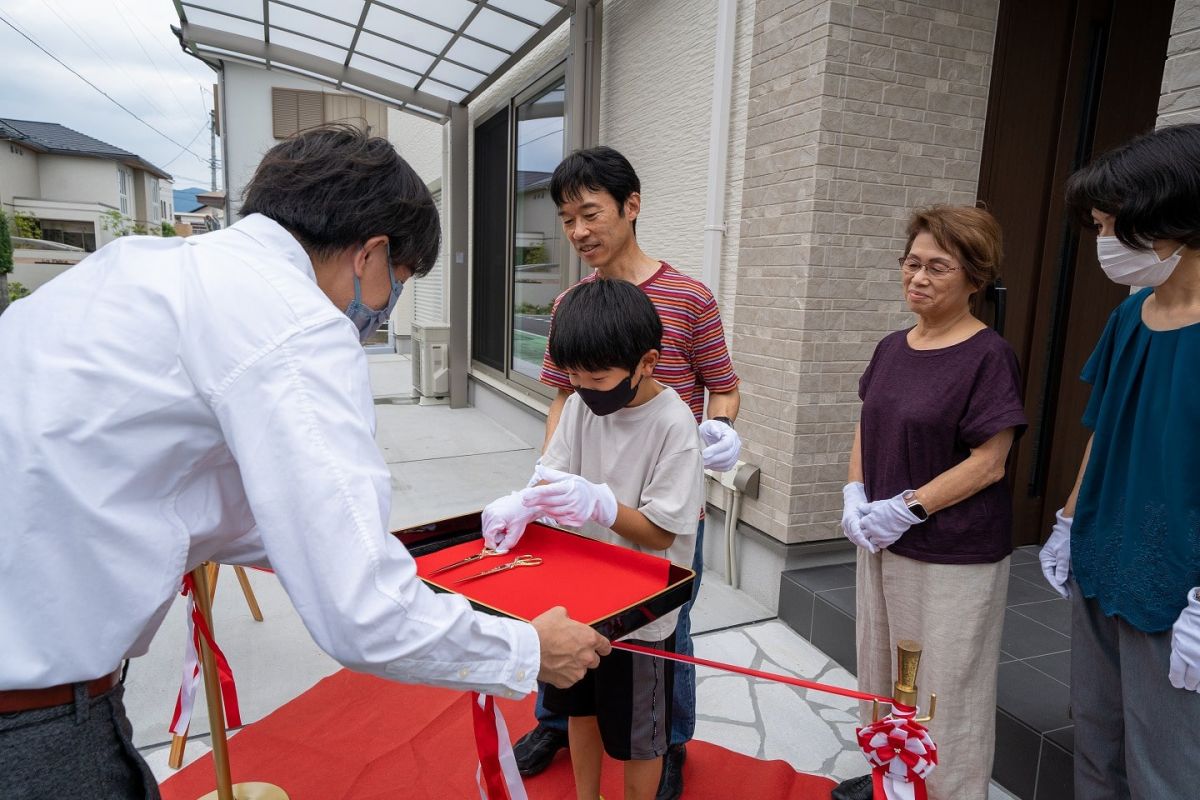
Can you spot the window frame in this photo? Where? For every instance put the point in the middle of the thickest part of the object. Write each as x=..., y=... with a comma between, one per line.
x=516, y=380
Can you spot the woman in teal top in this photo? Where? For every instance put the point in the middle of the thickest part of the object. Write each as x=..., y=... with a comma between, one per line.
x=1126, y=547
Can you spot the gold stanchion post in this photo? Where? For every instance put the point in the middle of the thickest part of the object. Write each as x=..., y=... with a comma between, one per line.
x=225, y=790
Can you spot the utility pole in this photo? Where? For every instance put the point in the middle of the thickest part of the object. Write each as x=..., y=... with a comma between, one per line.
x=212, y=156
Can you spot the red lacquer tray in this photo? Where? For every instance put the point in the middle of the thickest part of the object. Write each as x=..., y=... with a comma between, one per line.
x=613, y=589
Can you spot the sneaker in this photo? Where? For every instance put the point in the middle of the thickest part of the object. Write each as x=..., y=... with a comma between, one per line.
x=535, y=750
x=670, y=785
x=859, y=788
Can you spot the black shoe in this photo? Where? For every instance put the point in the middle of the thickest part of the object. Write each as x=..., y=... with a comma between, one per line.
x=535, y=750
x=859, y=788
x=670, y=785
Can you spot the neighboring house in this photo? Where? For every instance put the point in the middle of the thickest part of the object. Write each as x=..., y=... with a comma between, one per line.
x=781, y=145
x=68, y=181
x=198, y=210
x=259, y=108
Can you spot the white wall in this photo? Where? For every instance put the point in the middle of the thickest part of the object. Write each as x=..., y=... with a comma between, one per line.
x=419, y=141
x=247, y=133
x=246, y=129
x=72, y=178
x=18, y=174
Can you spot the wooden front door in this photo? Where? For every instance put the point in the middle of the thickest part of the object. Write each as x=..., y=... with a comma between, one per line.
x=1069, y=81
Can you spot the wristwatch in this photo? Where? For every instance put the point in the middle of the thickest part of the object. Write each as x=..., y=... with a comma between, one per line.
x=726, y=420
x=914, y=505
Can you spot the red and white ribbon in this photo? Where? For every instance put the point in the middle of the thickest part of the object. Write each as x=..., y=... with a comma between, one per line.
x=901, y=754
x=497, y=775
x=185, y=700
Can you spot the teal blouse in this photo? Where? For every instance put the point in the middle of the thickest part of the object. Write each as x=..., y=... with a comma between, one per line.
x=1135, y=541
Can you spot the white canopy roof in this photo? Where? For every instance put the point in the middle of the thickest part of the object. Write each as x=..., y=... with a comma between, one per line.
x=421, y=55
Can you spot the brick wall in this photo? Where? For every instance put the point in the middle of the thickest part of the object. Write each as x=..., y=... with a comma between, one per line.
x=1180, y=101
x=859, y=110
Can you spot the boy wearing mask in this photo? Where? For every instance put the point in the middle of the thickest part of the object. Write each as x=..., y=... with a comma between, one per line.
x=623, y=466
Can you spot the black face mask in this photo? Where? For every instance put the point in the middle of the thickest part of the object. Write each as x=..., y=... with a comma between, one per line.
x=603, y=402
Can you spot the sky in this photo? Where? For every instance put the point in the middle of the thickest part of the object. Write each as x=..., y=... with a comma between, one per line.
x=127, y=49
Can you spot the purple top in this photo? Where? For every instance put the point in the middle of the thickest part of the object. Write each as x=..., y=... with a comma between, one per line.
x=923, y=411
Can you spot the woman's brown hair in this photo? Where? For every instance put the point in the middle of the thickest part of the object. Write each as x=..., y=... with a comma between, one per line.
x=972, y=235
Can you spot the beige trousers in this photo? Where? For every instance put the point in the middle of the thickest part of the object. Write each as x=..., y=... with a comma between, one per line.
x=956, y=613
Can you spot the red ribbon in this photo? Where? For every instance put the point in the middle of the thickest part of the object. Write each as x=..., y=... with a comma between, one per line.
x=488, y=746
x=753, y=673
x=233, y=715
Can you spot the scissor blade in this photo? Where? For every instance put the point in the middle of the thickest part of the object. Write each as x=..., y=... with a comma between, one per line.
x=455, y=565
x=481, y=574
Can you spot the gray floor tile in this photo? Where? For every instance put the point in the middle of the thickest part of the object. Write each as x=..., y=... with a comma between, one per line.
x=424, y=491
x=719, y=605
x=818, y=579
x=1024, y=638
x=1054, y=614
x=417, y=433
x=1021, y=591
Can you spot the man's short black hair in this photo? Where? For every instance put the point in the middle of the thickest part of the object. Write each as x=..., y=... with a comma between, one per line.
x=1151, y=184
x=335, y=187
x=604, y=324
x=597, y=169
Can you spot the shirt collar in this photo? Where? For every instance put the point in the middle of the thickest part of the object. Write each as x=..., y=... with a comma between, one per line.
x=273, y=236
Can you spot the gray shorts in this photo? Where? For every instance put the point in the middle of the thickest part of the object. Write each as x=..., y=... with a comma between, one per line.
x=630, y=696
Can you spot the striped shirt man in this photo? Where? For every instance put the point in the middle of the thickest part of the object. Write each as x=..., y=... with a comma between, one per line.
x=694, y=356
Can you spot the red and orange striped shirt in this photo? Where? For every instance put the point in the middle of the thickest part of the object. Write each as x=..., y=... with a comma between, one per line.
x=694, y=356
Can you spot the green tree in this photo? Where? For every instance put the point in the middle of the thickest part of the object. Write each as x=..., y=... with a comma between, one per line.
x=168, y=229
x=27, y=225
x=6, y=260
x=116, y=223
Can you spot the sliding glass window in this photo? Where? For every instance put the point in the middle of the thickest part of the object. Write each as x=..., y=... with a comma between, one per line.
x=519, y=253
x=537, y=275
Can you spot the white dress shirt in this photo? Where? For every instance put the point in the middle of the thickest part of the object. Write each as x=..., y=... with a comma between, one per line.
x=171, y=401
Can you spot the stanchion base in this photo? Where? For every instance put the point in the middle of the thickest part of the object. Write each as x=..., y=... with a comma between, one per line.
x=252, y=790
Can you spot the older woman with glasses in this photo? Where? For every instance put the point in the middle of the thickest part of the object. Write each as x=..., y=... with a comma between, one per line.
x=926, y=500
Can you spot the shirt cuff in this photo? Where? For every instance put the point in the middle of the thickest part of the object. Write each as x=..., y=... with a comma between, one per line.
x=526, y=659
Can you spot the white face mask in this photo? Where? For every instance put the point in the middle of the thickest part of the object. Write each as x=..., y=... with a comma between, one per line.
x=1130, y=267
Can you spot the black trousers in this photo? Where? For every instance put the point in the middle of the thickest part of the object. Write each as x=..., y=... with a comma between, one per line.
x=81, y=751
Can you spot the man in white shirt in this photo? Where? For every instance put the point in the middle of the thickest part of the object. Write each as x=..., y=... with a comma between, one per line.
x=171, y=401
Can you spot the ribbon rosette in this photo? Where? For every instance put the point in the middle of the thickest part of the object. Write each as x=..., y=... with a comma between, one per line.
x=901, y=754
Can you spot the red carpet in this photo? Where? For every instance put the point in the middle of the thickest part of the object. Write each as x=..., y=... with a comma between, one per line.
x=354, y=737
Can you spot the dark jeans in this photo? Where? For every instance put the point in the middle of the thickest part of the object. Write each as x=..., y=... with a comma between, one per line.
x=81, y=751
x=683, y=706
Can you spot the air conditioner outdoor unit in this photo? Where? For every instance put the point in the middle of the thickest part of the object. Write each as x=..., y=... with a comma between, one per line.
x=430, y=360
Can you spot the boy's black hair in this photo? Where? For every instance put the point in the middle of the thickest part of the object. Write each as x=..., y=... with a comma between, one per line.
x=597, y=169
x=335, y=187
x=1151, y=184
x=604, y=324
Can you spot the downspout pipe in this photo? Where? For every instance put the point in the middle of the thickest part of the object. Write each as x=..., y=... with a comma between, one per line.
x=718, y=144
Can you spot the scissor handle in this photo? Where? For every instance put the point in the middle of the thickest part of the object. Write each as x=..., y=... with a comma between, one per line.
x=525, y=561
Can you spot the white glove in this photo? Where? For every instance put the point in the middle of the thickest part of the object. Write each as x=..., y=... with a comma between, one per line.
x=570, y=500
x=854, y=502
x=1185, y=646
x=1056, y=554
x=722, y=445
x=504, y=521
x=885, y=521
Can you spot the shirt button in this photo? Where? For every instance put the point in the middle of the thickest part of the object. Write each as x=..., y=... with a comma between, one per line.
x=521, y=675
x=464, y=672
x=510, y=694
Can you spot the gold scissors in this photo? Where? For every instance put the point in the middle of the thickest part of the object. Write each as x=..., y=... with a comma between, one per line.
x=484, y=553
x=523, y=561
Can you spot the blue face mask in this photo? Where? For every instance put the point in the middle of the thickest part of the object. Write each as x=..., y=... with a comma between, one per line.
x=368, y=319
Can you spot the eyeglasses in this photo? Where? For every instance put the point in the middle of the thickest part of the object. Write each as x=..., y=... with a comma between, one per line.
x=912, y=266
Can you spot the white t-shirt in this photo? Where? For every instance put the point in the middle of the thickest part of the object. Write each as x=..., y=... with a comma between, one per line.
x=649, y=456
